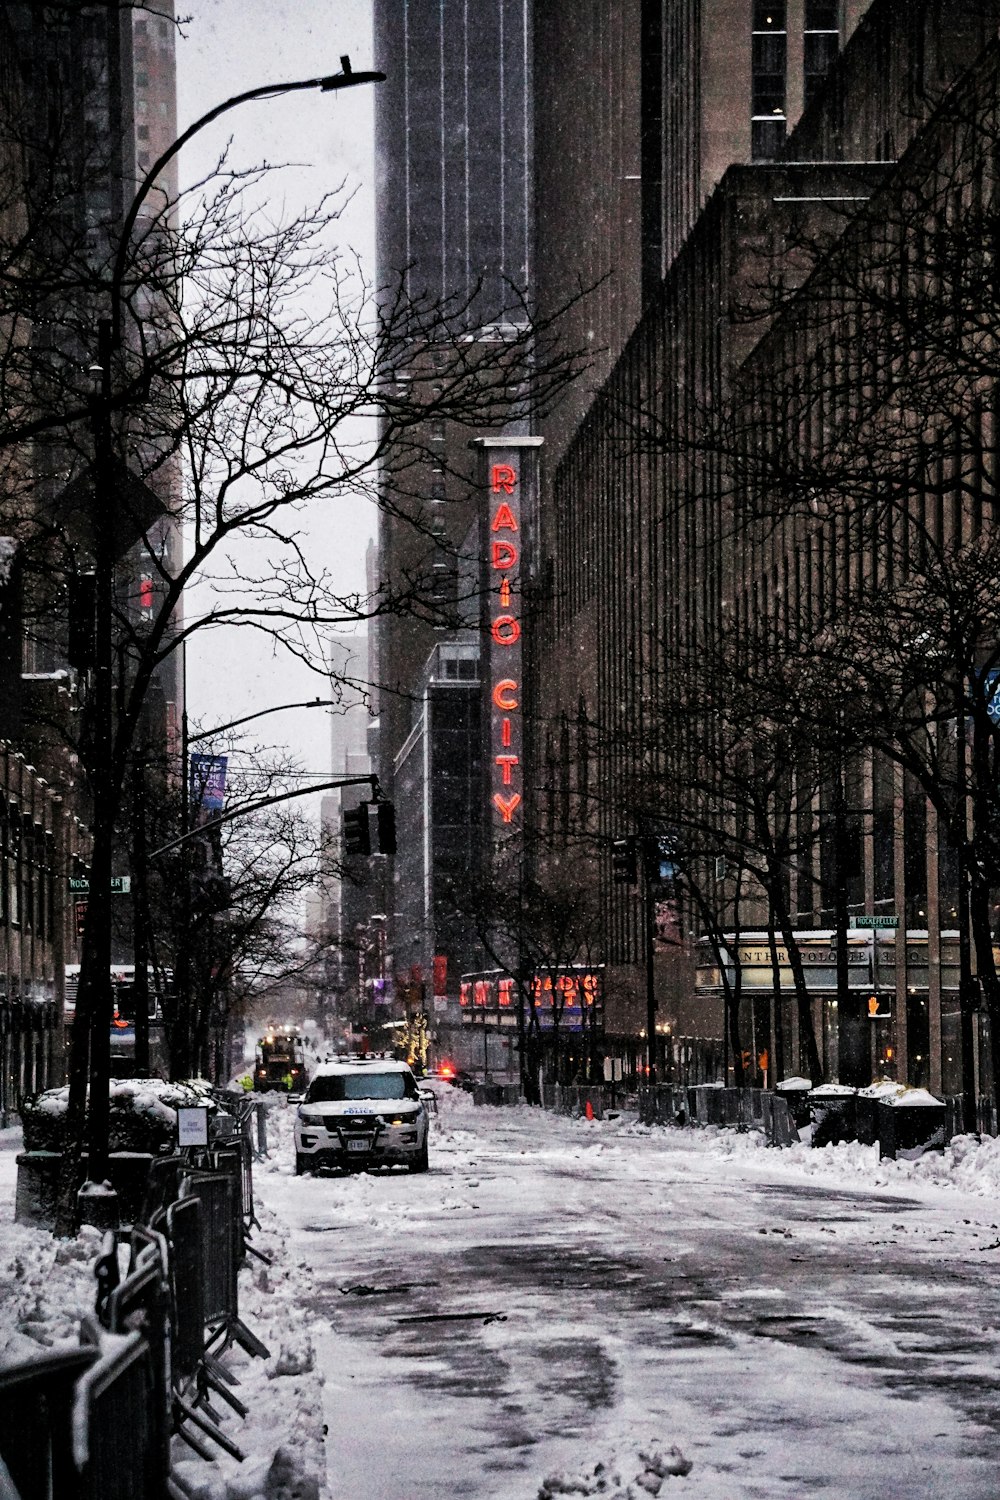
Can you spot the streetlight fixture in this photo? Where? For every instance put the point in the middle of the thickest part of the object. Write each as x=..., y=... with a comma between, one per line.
x=94, y=1005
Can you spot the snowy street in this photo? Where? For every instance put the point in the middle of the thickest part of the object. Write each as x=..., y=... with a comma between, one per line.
x=557, y=1295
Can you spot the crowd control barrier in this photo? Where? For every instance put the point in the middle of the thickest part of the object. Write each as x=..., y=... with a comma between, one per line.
x=96, y=1423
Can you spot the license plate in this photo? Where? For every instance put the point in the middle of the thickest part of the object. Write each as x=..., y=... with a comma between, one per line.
x=354, y=1145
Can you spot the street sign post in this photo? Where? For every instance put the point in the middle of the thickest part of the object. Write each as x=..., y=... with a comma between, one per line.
x=876, y=921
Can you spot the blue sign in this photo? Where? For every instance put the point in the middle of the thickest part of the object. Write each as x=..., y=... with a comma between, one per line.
x=208, y=783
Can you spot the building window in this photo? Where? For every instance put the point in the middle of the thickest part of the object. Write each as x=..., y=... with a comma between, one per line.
x=769, y=53
x=820, y=44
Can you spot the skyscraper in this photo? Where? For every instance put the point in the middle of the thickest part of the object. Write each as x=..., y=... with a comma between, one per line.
x=454, y=136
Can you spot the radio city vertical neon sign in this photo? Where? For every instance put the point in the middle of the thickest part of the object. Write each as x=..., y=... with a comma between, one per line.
x=504, y=595
x=507, y=486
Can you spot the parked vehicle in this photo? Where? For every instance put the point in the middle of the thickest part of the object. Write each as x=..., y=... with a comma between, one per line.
x=159, y=994
x=358, y=1115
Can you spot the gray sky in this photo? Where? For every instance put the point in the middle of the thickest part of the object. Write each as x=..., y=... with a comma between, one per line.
x=229, y=46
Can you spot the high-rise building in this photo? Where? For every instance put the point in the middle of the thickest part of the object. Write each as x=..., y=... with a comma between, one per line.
x=73, y=105
x=454, y=139
x=346, y=900
x=649, y=572
x=640, y=106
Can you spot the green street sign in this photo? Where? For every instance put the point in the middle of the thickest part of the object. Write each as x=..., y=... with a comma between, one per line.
x=121, y=885
x=876, y=921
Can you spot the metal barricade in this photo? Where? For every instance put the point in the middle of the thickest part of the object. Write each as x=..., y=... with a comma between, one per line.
x=184, y=1234
x=236, y=1163
x=779, y=1127
x=36, y=1402
x=141, y=1303
x=162, y=1186
x=116, y=1444
x=221, y=1235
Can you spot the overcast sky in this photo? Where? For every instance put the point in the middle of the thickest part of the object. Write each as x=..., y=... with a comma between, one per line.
x=229, y=46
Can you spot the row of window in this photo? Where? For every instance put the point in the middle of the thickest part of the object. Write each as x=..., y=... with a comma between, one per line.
x=769, y=67
x=27, y=876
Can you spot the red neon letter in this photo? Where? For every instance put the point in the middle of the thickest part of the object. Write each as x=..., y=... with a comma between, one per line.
x=504, y=518
x=505, y=732
x=504, y=478
x=504, y=556
x=505, y=593
x=505, y=694
x=506, y=761
x=506, y=805
x=506, y=630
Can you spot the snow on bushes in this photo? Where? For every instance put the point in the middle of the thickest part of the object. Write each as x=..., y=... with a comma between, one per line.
x=143, y=1114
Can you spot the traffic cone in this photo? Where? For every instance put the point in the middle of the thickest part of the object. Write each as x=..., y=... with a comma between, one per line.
x=589, y=1111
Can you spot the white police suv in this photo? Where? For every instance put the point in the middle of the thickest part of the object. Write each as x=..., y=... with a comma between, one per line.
x=359, y=1114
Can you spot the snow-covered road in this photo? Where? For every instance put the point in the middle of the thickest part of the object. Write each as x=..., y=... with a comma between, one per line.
x=558, y=1298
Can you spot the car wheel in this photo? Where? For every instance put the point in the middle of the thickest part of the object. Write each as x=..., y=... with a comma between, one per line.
x=420, y=1162
x=300, y=1164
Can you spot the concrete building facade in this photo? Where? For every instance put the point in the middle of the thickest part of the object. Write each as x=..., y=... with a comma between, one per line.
x=649, y=568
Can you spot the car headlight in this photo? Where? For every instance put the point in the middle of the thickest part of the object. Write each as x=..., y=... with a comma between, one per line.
x=310, y=1117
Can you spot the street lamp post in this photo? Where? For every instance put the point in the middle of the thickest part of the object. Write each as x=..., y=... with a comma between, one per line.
x=94, y=1005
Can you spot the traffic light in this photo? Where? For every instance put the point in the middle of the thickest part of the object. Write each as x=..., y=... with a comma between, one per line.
x=385, y=827
x=623, y=862
x=357, y=838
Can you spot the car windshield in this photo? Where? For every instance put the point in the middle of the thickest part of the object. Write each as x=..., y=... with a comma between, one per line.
x=329, y=1088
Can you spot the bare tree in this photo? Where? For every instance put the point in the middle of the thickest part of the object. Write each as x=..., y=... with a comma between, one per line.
x=254, y=375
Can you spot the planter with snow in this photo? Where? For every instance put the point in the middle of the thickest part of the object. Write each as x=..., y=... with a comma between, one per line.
x=795, y=1092
x=866, y=1105
x=911, y=1121
x=832, y=1110
x=38, y=1185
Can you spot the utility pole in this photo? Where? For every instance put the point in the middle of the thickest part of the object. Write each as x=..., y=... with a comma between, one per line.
x=95, y=976
x=650, y=934
x=140, y=916
x=968, y=985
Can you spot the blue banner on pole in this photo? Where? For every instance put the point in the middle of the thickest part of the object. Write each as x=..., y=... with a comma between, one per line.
x=208, y=784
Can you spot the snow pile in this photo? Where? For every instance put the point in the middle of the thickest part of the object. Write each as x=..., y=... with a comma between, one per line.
x=46, y=1285
x=904, y=1098
x=966, y=1164
x=649, y=1467
x=282, y=1439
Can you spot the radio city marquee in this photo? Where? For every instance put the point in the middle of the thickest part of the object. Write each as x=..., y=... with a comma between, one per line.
x=508, y=479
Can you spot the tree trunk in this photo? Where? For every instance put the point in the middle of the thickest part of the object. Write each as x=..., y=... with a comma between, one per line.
x=982, y=934
x=807, y=1031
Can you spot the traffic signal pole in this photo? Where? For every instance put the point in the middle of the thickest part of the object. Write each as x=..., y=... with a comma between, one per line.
x=241, y=812
x=650, y=982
